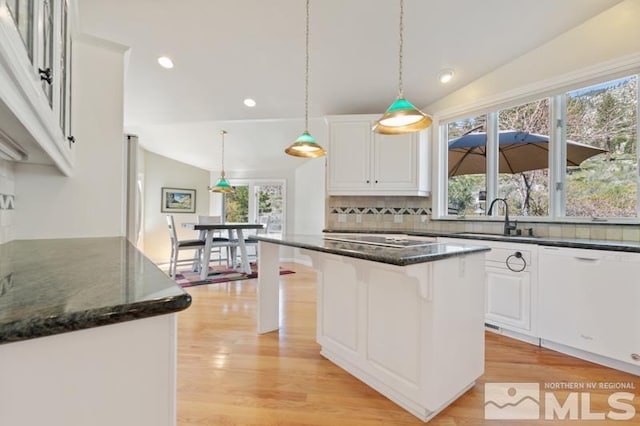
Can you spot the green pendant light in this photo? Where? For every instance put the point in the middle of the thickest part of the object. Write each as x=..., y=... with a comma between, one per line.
x=402, y=116
x=223, y=186
x=306, y=146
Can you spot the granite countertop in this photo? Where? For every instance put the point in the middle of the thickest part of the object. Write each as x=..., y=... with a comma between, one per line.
x=59, y=285
x=391, y=255
x=626, y=246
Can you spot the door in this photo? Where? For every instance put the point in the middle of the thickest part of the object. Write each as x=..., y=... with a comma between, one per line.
x=395, y=165
x=349, y=155
x=508, y=297
x=257, y=201
x=269, y=206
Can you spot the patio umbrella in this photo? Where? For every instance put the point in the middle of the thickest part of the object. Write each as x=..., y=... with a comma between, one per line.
x=519, y=152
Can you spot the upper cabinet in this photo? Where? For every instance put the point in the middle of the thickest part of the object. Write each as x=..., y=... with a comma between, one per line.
x=361, y=162
x=35, y=82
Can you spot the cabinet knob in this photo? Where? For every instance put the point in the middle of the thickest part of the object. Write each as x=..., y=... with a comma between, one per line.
x=635, y=357
x=367, y=181
x=376, y=182
x=45, y=75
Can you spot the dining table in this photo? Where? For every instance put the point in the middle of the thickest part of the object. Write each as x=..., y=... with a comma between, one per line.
x=209, y=229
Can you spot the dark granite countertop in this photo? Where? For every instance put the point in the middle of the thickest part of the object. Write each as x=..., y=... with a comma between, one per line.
x=59, y=285
x=391, y=255
x=626, y=246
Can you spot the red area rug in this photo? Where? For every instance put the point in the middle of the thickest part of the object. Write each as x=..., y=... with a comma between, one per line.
x=217, y=275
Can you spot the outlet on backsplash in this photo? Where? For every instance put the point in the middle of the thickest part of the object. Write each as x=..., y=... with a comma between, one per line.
x=397, y=218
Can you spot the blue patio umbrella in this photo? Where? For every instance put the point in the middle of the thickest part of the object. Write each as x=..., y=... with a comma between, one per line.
x=518, y=152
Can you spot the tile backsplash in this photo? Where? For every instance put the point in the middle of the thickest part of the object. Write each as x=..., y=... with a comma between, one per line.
x=7, y=200
x=414, y=214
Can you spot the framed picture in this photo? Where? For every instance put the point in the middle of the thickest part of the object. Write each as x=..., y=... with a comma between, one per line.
x=176, y=200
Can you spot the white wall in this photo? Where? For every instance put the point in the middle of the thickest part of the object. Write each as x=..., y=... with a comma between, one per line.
x=91, y=202
x=610, y=37
x=309, y=201
x=162, y=172
x=7, y=201
x=309, y=197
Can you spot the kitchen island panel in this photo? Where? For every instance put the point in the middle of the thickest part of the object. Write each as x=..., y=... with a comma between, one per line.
x=419, y=330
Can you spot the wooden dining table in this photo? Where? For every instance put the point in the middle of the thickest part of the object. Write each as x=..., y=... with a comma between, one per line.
x=210, y=229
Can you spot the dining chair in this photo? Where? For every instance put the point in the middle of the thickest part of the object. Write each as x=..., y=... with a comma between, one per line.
x=219, y=242
x=251, y=240
x=177, y=245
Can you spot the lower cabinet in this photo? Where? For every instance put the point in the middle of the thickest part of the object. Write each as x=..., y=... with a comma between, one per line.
x=413, y=333
x=590, y=300
x=510, y=287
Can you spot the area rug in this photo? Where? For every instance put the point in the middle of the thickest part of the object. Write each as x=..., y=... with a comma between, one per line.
x=218, y=274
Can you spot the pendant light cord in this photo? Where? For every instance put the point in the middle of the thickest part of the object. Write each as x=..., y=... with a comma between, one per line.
x=400, y=56
x=223, y=132
x=306, y=76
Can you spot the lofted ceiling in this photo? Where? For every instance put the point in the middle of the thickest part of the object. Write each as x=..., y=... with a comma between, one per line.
x=226, y=51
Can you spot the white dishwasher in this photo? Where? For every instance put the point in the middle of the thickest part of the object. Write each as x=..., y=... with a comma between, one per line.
x=590, y=300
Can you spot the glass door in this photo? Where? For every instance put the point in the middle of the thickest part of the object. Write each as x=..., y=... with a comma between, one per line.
x=269, y=206
x=257, y=201
x=236, y=204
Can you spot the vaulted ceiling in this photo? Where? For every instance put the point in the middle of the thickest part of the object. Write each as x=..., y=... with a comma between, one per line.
x=226, y=51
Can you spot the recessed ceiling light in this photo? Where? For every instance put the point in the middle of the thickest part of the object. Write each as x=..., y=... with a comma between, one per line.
x=250, y=102
x=165, y=62
x=445, y=76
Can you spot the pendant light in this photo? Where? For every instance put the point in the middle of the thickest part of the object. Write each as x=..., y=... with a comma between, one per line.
x=401, y=116
x=306, y=146
x=223, y=185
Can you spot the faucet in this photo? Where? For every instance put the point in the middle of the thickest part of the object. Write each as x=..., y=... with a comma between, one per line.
x=508, y=226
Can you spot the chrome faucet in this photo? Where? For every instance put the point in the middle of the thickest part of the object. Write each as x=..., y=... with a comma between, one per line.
x=508, y=226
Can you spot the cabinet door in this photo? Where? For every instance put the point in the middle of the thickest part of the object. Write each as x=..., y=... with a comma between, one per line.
x=589, y=300
x=349, y=155
x=395, y=161
x=508, y=298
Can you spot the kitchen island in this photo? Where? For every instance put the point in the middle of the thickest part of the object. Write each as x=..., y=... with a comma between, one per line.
x=87, y=334
x=406, y=319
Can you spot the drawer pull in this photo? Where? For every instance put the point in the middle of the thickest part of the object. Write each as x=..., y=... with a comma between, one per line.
x=586, y=337
x=587, y=259
x=635, y=357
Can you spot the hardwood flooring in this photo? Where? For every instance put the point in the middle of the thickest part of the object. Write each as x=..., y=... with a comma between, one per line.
x=229, y=375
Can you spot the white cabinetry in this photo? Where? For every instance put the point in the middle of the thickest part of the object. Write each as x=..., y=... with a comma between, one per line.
x=413, y=333
x=361, y=162
x=590, y=300
x=510, y=281
x=35, y=86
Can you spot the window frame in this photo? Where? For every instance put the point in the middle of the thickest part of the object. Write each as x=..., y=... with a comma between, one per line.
x=557, y=151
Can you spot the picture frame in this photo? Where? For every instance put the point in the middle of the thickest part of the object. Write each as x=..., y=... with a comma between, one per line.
x=178, y=200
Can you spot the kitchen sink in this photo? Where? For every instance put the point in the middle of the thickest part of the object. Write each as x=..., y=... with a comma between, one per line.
x=486, y=234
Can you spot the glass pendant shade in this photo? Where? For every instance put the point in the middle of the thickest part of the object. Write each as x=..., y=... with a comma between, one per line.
x=223, y=186
x=401, y=117
x=305, y=146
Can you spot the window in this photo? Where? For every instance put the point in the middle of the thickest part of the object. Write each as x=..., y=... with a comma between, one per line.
x=467, y=185
x=604, y=116
x=589, y=134
x=524, y=164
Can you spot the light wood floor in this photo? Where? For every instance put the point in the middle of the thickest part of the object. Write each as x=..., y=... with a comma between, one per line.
x=229, y=375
